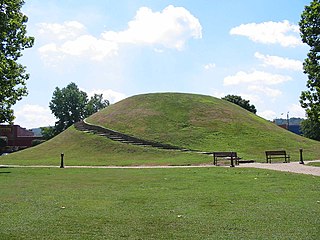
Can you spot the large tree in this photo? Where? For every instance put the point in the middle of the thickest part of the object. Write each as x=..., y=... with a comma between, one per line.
x=70, y=105
x=310, y=34
x=241, y=102
x=13, y=40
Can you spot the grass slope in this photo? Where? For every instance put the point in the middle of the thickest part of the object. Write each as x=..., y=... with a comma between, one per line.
x=207, y=203
x=81, y=148
x=201, y=122
x=187, y=120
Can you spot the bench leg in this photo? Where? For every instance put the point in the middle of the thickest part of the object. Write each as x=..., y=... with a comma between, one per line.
x=232, y=163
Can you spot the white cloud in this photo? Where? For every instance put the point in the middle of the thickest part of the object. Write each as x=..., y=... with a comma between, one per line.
x=283, y=33
x=87, y=45
x=255, y=77
x=209, y=66
x=170, y=28
x=56, y=31
x=33, y=116
x=279, y=62
x=296, y=110
x=83, y=46
x=270, y=92
x=108, y=94
x=218, y=94
x=267, y=114
x=253, y=98
x=158, y=50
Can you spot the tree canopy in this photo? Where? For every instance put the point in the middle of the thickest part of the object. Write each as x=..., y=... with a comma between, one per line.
x=13, y=40
x=241, y=102
x=70, y=105
x=95, y=104
x=310, y=99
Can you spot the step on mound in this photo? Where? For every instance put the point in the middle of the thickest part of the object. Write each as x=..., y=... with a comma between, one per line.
x=123, y=138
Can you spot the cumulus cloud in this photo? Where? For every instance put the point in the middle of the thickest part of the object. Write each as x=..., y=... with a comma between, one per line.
x=279, y=62
x=297, y=111
x=218, y=93
x=283, y=33
x=170, y=28
x=294, y=110
x=267, y=114
x=209, y=66
x=76, y=45
x=110, y=95
x=255, y=77
x=33, y=116
x=55, y=31
x=270, y=92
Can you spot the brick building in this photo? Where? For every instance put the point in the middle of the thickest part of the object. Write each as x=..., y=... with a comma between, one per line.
x=17, y=136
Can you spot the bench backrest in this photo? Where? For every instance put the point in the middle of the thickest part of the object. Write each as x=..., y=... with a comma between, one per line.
x=280, y=152
x=224, y=154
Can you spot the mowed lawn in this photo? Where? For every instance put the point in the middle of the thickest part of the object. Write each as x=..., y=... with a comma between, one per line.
x=183, y=203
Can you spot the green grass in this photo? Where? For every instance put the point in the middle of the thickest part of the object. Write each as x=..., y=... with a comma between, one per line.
x=204, y=123
x=206, y=203
x=314, y=164
x=186, y=120
x=81, y=148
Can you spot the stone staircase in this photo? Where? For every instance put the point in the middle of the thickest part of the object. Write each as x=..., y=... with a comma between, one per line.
x=124, y=138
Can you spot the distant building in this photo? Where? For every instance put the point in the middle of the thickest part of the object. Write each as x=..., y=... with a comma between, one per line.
x=292, y=124
x=17, y=136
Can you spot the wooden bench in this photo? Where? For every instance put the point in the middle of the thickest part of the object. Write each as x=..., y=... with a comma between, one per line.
x=232, y=156
x=277, y=154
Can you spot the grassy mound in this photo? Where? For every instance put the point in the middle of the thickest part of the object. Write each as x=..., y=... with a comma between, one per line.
x=186, y=120
x=82, y=148
x=203, y=123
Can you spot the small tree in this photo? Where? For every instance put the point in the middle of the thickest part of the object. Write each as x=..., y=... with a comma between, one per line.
x=95, y=104
x=47, y=132
x=13, y=40
x=310, y=99
x=70, y=105
x=241, y=102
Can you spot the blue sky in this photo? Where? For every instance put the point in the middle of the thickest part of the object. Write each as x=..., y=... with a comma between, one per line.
x=121, y=48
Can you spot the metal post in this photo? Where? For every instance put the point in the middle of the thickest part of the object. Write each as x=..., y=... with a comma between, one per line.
x=232, y=165
x=301, y=156
x=62, y=164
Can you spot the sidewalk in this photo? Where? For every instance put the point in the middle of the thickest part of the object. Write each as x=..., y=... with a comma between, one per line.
x=293, y=167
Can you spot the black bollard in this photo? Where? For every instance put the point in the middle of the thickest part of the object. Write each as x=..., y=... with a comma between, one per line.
x=232, y=164
x=301, y=156
x=62, y=164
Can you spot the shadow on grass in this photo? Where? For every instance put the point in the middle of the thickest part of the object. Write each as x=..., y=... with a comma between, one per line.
x=4, y=167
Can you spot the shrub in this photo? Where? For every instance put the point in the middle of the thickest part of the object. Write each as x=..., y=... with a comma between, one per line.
x=37, y=142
